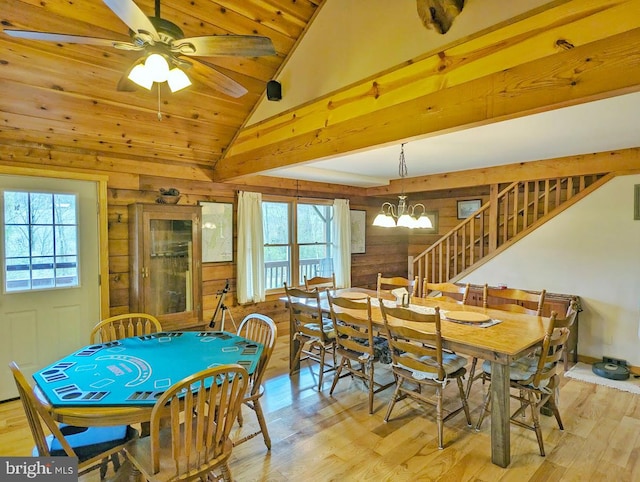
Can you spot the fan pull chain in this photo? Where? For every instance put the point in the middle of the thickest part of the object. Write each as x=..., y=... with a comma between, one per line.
x=159, y=113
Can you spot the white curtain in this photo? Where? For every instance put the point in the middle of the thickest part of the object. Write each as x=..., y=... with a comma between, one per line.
x=342, y=243
x=250, y=282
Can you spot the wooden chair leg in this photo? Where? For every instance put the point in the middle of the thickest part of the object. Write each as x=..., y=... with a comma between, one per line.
x=485, y=408
x=321, y=375
x=535, y=415
x=439, y=419
x=394, y=398
x=472, y=372
x=336, y=377
x=240, y=419
x=465, y=403
x=262, y=422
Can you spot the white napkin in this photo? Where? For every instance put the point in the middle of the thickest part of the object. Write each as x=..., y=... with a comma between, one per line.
x=401, y=295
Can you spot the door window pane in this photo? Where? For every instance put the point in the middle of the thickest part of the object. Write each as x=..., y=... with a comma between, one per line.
x=40, y=241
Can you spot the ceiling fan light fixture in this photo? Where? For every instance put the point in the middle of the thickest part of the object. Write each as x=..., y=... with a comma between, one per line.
x=157, y=68
x=140, y=76
x=177, y=80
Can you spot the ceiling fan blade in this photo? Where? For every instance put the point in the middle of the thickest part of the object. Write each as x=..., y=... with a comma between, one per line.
x=206, y=74
x=135, y=18
x=216, y=45
x=72, y=39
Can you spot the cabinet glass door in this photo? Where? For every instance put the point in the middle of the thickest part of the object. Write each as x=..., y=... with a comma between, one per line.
x=170, y=271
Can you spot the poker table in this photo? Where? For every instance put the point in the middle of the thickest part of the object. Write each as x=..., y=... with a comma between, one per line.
x=119, y=381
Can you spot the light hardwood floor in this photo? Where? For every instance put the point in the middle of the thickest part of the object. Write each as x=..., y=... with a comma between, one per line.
x=317, y=437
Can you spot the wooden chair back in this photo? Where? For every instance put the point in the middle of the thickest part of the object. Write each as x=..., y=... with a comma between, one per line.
x=261, y=329
x=305, y=312
x=567, y=322
x=90, y=455
x=353, y=326
x=390, y=283
x=37, y=415
x=553, y=345
x=449, y=292
x=200, y=411
x=409, y=344
x=509, y=298
x=320, y=283
x=124, y=326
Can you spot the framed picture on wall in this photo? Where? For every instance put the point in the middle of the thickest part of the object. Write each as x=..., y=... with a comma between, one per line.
x=217, y=232
x=358, y=230
x=467, y=208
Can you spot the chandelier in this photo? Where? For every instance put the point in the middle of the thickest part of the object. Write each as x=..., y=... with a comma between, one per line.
x=403, y=215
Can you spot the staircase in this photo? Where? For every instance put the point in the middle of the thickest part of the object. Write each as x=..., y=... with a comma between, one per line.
x=511, y=213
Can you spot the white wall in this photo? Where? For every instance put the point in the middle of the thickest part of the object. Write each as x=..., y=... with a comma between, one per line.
x=591, y=250
x=353, y=39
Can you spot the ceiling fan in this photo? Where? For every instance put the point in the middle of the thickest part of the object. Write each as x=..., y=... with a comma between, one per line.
x=155, y=35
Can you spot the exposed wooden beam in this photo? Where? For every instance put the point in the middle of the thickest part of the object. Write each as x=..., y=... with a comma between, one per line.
x=601, y=162
x=577, y=52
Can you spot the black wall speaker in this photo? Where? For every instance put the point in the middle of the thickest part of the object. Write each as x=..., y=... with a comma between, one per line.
x=274, y=90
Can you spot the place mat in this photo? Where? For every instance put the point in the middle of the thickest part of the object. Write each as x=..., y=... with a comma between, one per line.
x=353, y=295
x=428, y=310
x=467, y=317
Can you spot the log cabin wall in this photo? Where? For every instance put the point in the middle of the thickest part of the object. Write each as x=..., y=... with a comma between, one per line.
x=130, y=181
x=386, y=250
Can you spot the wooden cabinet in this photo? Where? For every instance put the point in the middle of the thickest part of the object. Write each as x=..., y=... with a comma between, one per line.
x=165, y=263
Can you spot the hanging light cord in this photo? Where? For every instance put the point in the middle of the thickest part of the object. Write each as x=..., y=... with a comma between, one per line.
x=402, y=168
x=159, y=113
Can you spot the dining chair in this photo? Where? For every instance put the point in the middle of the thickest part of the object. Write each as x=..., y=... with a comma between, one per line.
x=320, y=282
x=534, y=381
x=420, y=362
x=93, y=446
x=124, y=326
x=356, y=344
x=567, y=322
x=449, y=292
x=261, y=329
x=386, y=284
x=506, y=299
x=315, y=334
x=190, y=427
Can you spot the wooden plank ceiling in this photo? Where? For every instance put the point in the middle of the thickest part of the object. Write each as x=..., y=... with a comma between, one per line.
x=62, y=98
x=64, y=95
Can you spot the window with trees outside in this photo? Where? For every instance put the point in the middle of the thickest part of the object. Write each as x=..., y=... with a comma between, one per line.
x=297, y=241
x=40, y=241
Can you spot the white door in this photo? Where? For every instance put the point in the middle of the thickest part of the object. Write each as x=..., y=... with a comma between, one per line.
x=40, y=325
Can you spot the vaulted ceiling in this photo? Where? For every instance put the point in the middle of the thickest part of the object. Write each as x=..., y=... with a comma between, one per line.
x=62, y=98
x=65, y=94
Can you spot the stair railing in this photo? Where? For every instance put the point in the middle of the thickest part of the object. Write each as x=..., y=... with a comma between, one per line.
x=510, y=212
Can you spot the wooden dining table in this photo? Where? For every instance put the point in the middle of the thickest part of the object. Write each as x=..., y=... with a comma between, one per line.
x=514, y=336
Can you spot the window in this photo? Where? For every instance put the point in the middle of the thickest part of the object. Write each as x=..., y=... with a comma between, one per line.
x=297, y=241
x=40, y=241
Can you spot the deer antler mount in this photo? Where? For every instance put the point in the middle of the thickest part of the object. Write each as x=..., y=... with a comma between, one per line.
x=439, y=14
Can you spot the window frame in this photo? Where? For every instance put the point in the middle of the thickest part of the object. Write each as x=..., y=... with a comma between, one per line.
x=294, y=246
x=54, y=225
